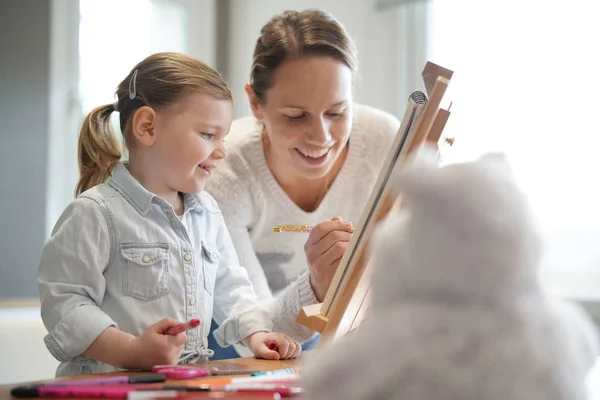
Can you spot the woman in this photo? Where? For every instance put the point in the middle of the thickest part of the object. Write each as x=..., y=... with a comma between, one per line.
x=308, y=154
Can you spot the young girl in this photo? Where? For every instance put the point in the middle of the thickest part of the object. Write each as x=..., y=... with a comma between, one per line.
x=149, y=243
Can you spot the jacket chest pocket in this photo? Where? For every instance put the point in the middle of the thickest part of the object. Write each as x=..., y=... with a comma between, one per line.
x=210, y=263
x=146, y=270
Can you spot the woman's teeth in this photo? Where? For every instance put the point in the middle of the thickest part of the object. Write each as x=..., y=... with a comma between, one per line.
x=314, y=153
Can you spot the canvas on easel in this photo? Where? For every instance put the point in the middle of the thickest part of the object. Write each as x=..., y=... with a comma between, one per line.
x=346, y=302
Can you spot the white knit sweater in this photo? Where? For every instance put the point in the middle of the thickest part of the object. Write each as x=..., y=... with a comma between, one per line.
x=252, y=201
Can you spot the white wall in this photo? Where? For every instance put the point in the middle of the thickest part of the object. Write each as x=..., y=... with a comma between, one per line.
x=383, y=37
x=201, y=28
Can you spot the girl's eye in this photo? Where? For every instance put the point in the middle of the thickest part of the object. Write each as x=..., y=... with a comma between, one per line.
x=207, y=135
x=296, y=117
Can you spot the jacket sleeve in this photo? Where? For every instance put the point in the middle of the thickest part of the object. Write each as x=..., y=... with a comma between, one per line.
x=70, y=279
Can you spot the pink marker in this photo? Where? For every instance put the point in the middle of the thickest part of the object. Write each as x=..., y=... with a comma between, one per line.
x=177, y=329
x=273, y=346
x=261, y=388
x=124, y=391
x=104, y=391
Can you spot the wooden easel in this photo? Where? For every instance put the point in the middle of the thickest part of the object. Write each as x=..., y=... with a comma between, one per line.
x=346, y=302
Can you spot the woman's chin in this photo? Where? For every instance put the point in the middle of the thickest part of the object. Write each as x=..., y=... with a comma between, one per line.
x=313, y=173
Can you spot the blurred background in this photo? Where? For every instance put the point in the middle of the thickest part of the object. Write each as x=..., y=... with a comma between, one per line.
x=526, y=83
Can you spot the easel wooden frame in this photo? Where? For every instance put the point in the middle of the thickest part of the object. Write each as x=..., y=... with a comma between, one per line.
x=346, y=302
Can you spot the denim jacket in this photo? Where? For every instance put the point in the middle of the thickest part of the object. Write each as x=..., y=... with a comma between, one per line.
x=119, y=256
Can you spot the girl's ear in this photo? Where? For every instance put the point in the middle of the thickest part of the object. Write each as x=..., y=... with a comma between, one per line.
x=144, y=122
x=254, y=102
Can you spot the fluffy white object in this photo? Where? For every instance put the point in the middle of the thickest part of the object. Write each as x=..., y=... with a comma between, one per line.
x=457, y=312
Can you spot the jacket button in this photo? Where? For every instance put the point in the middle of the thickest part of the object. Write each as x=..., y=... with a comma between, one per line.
x=187, y=257
x=146, y=259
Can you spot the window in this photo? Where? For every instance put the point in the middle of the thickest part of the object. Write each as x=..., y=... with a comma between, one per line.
x=525, y=83
x=115, y=35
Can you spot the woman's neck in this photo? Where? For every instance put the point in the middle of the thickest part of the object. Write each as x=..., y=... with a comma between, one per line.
x=306, y=193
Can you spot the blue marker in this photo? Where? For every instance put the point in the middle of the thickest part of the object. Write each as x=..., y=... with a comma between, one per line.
x=277, y=372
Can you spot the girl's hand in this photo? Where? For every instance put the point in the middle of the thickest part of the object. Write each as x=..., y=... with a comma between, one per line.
x=273, y=346
x=324, y=249
x=155, y=347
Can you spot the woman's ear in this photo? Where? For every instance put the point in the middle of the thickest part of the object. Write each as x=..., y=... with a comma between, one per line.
x=143, y=124
x=254, y=102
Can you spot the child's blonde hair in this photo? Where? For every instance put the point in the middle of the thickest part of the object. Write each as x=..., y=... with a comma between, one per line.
x=158, y=81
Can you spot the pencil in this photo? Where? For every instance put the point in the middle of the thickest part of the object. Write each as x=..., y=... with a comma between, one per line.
x=292, y=228
x=295, y=228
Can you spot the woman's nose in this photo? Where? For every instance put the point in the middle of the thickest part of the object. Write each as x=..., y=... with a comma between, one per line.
x=318, y=133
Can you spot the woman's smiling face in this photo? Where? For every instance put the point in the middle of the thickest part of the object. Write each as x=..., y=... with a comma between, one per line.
x=307, y=114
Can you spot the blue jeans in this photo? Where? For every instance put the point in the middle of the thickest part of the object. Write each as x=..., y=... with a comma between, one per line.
x=224, y=353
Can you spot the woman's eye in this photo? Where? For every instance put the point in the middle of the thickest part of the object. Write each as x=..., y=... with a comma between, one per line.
x=296, y=117
x=207, y=135
x=336, y=114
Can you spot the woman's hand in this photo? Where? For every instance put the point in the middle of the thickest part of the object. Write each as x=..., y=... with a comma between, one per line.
x=324, y=249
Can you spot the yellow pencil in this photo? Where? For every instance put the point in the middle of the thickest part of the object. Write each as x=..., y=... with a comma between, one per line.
x=292, y=228
x=295, y=228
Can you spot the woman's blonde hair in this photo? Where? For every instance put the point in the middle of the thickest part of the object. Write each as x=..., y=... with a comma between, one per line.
x=295, y=34
x=158, y=81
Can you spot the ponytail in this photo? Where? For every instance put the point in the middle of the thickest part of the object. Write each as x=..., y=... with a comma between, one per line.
x=99, y=150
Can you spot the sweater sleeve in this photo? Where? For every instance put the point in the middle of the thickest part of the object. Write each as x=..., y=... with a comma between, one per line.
x=229, y=185
x=285, y=307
